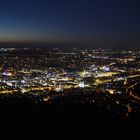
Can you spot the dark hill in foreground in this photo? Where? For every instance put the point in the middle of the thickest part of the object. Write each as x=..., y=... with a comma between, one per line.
x=25, y=111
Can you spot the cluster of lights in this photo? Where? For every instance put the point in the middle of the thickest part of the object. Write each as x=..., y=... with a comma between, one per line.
x=7, y=74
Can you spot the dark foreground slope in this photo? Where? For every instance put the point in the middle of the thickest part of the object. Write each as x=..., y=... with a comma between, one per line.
x=24, y=111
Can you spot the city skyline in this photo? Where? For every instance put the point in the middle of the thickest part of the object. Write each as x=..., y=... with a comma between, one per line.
x=85, y=81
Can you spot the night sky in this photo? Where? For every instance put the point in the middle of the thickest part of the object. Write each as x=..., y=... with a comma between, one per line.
x=97, y=22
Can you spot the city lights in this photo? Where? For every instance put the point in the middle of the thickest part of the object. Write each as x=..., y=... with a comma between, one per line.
x=97, y=75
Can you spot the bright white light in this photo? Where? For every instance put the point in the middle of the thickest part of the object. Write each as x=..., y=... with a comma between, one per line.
x=105, y=68
x=81, y=85
x=23, y=90
x=58, y=89
x=23, y=81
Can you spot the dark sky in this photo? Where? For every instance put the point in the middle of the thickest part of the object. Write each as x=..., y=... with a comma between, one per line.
x=98, y=22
